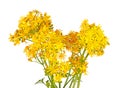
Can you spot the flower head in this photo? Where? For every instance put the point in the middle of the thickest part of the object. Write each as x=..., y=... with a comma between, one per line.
x=92, y=38
x=72, y=42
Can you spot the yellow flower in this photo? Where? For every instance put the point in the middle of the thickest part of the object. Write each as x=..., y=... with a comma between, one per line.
x=29, y=25
x=31, y=51
x=83, y=68
x=78, y=64
x=71, y=41
x=58, y=70
x=48, y=46
x=92, y=38
x=14, y=39
x=57, y=78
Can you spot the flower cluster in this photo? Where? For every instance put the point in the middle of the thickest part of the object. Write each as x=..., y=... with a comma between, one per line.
x=48, y=47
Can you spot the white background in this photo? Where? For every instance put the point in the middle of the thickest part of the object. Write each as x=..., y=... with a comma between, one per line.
x=103, y=72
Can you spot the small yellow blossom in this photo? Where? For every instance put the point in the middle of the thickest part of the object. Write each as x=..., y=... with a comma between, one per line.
x=58, y=70
x=78, y=64
x=71, y=41
x=57, y=78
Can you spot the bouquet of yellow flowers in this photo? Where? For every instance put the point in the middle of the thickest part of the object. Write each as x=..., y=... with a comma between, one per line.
x=48, y=47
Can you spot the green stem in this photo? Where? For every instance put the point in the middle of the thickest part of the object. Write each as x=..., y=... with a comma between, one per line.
x=86, y=56
x=53, y=85
x=59, y=84
x=49, y=79
x=38, y=60
x=75, y=80
x=83, y=52
x=66, y=81
x=44, y=61
x=45, y=84
x=71, y=81
x=79, y=79
x=43, y=64
x=84, y=59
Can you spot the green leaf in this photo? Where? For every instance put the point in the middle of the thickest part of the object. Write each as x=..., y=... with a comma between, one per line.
x=48, y=83
x=40, y=81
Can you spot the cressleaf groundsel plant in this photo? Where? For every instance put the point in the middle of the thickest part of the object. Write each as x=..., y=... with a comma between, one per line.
x=48, y=46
